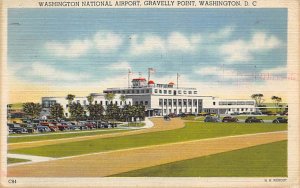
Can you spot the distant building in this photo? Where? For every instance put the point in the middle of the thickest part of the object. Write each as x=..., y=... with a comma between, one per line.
x=161, y=99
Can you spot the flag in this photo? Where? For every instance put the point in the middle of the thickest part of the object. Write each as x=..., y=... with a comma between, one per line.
x=151, y=70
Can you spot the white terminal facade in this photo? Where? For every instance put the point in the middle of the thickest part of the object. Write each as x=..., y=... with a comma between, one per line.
x=161, y=99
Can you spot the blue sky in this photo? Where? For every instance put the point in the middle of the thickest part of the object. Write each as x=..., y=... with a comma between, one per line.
x=67, y=46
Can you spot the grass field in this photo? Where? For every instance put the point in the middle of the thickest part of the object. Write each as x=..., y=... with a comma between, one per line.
x=15, y=160
x=268, y=160
x=50, y=136
x=193, y=131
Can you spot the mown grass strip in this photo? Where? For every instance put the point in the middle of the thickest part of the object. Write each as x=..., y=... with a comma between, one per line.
x=193, y=131
x=15, y=160
x=268, y=160
x=59, y=136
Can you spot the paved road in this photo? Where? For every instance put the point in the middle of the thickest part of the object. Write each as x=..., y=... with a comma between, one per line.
x=115, y=162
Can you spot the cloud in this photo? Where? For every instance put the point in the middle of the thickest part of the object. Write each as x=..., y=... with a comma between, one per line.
x=242, y=51
x=218, y=72
x=223, y=33
x=123, y=65
x=72, y=49
x=107, y=41
x=175, y=42
x=51, y=73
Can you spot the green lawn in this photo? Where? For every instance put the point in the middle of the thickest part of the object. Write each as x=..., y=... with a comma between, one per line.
x=193, y=131
x=15, y=160
x=50, y=136
x=268, y=160
x=194, y=118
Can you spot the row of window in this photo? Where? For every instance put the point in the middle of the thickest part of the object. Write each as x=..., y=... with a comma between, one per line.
x=106, y=103
x=169, y=102
x=131, y=91
x=181, y=111
x=160, y=91
x=141, y=102
x=236, y=103
x=241, y=109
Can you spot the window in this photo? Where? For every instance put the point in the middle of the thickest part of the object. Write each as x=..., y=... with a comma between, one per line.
x=165, y=102
x=174, y=102
x=190, y=102
x=96, y=102
x=146, y=102
x=179, y=91
x=142, y=91
x=133, y=91
x=147, y=91
x=66, y=114
x=195, y=102
x=129, y=103
x=190, y=92
x=196, y=110
x=141, y=102
x=106, y=103
x=214, y=103
x=179, y=102
x=67, y=105
x=136, y=102
x=170, y=92
x=137, y=91
x=170, y=102
x=160, y=102
x=128, y=91
x=101, y=102
x=123, y=91
x=120, y=102
x=229, y=110
x=165, y=91
x=160, y=91
x=195, y=92
x=184, y=92
x=184, y=102
x=155, y=91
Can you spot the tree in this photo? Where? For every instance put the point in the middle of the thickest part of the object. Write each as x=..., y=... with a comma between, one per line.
x=258, y=98
x=57, y=111
x=110, y=97
x=70, y=98
x=113, y=112
x=76, y=111
x=90, y=99
x=32, y=109
x=276, y=101
x=123, y=99
x=95, y=111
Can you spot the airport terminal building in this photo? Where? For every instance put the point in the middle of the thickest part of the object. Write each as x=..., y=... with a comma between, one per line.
x=161, y=99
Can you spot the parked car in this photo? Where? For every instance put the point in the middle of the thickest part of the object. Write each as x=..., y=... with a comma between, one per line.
x=43, y=129
x=253, y=120
x=172, y=115
x=16, y=128
x=167, y=118
x=229, y=119
x=280, y=120
x=182, y=115
x=212, y=119
x=235, y=113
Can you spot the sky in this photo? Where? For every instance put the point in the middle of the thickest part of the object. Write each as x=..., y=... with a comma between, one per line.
x=221, y=52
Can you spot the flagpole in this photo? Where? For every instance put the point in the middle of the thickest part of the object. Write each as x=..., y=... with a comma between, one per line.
x=148, y=76
x=128, y=78
x=177, y=80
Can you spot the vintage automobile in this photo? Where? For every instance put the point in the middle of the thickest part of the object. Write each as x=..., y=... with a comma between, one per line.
x=280, y=120
x=229, y=119
x=252, y=119
x=212, y=119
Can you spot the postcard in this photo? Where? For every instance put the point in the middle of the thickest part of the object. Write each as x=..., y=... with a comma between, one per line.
x=150, y=93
